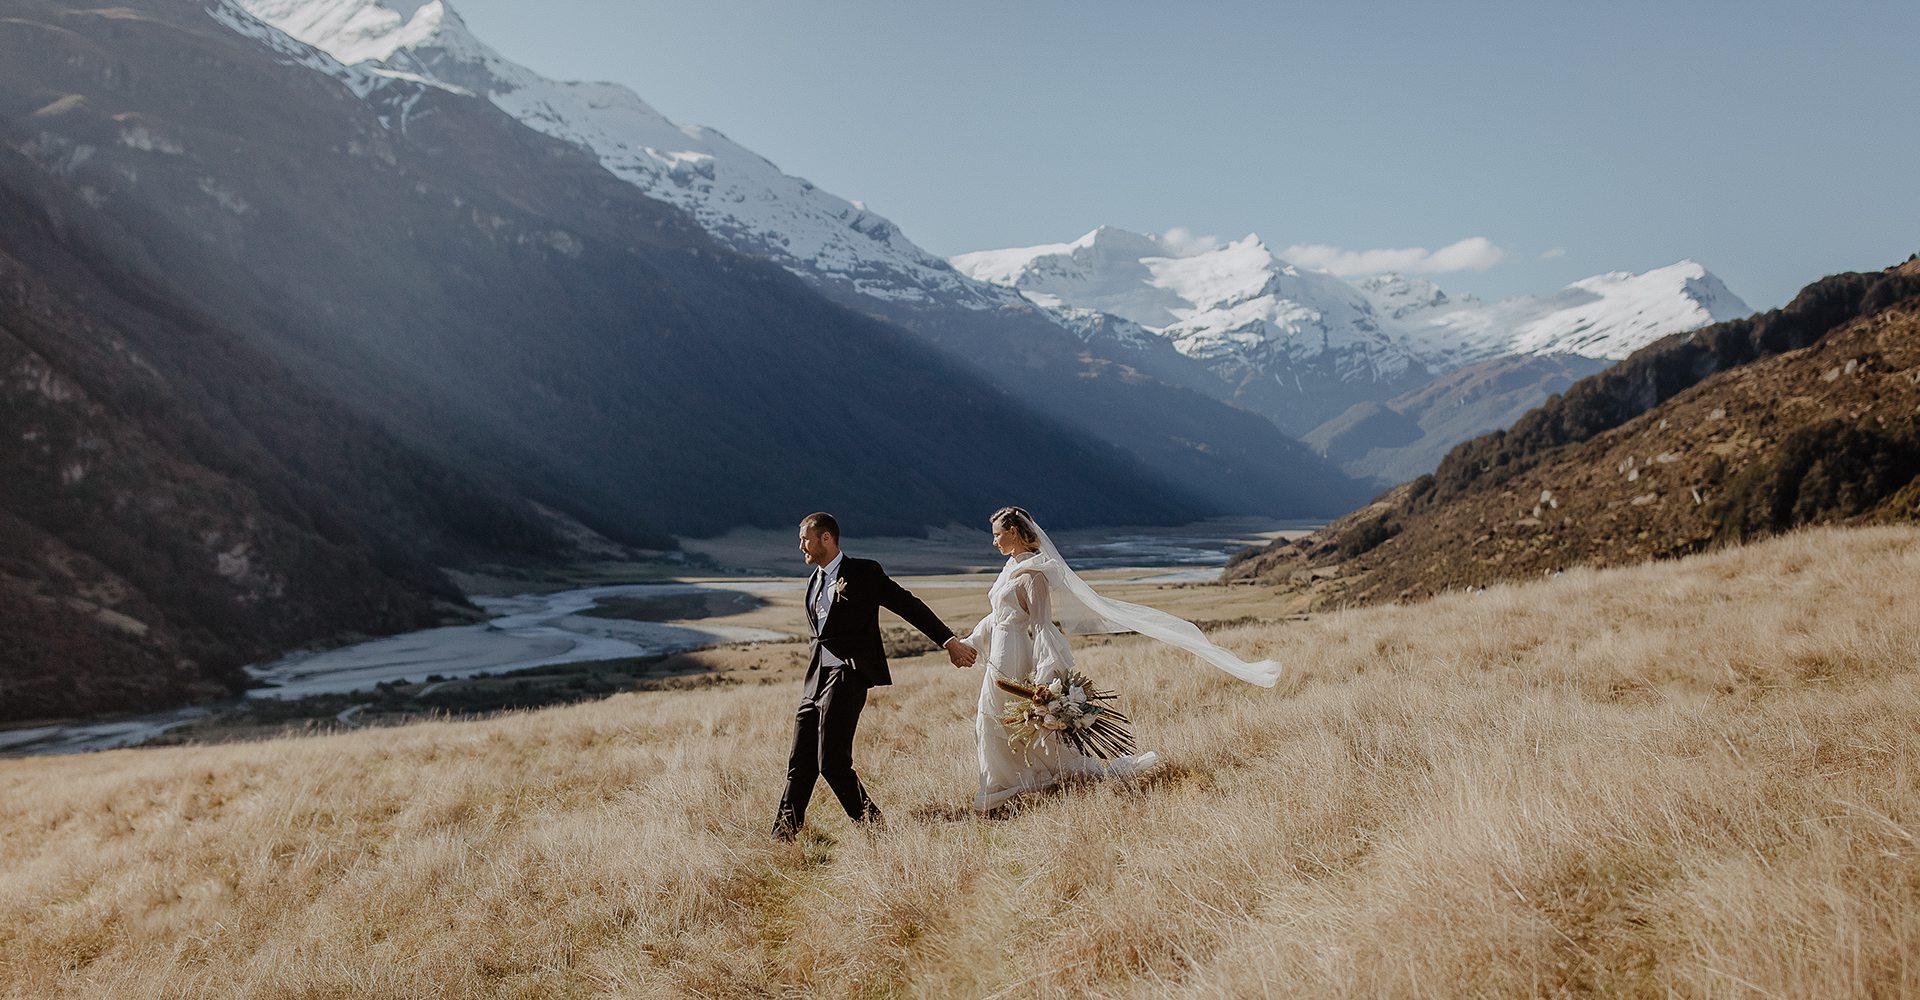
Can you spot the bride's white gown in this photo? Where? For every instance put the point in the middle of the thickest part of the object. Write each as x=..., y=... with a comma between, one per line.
x=1018, y=640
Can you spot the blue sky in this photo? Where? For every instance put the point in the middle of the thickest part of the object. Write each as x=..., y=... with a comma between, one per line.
x=1773, y=142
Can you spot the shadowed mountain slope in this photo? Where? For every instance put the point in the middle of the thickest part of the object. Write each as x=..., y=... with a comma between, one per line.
x=495, y=296
x=1224, y=459
x=1395, y=441
x=173, y=504
x=275, y=348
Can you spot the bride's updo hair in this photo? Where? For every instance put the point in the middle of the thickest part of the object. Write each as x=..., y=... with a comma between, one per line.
x=1020, y=521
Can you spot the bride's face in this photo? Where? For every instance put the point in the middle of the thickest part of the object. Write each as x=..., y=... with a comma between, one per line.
x=1008, y=541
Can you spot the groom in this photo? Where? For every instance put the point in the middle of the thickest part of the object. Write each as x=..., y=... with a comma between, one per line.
x=844, y=598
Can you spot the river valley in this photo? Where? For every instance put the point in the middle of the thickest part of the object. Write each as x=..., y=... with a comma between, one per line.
x=632, y=625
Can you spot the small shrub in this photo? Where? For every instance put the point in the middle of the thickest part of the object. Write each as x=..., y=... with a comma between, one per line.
x=1821, y=473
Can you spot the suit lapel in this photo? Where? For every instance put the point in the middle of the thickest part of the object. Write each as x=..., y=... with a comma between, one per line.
x=813, y=584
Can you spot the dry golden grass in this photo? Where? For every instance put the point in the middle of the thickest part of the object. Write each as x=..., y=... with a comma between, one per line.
x=1695, y=779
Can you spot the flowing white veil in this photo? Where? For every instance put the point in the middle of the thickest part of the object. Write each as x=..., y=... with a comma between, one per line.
x=1082, y=611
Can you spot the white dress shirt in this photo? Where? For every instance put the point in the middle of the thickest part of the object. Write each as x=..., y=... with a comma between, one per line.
x=823, y=595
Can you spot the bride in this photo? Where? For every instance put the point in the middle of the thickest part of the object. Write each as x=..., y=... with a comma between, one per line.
x=1020, y=640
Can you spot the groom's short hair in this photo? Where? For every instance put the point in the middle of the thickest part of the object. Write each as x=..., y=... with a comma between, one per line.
x=822, y=522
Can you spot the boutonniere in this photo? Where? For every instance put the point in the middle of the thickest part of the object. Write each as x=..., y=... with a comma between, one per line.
x=840, y=589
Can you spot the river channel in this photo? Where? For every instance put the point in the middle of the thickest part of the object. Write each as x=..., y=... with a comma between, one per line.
x=527, y=631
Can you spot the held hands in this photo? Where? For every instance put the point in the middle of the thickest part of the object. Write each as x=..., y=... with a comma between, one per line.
x=960, y=653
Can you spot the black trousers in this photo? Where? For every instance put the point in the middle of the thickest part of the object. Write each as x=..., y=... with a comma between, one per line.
x=830, y=704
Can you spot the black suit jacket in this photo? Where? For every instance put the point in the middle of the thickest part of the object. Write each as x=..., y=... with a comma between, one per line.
x=852, y=630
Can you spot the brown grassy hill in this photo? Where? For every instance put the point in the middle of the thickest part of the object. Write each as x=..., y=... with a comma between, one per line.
x=1640, y=464
x=1698, y=778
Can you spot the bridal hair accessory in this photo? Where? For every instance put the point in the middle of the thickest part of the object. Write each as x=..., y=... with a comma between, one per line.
x=1071, y=708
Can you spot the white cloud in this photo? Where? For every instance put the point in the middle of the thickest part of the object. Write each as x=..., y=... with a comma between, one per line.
x=1183, y=242
x=1555, y=252
x=1475, y=253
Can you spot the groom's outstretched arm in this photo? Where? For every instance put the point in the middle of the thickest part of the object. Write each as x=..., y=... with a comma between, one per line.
x=901, y=601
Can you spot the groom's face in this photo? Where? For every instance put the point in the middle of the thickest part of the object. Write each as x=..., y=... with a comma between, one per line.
x=817, y=547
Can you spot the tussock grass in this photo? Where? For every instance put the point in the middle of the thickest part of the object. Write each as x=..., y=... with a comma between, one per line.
x=1696, y=779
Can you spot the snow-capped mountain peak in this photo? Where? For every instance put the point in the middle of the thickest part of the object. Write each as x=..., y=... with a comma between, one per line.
x=1264, y=327
x=357, y=31
x=1222, y=277
x=1269, y=329
x=1607, y=316
x=1399, y=296
x=738, y=196
x=1204, y=298
x=1106, y=269
x=1296, y=344
x=1231, y=300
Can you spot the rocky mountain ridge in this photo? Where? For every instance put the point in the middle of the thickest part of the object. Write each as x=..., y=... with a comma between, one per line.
x=1142, y=404
x=1801, y=415
x=735, y=194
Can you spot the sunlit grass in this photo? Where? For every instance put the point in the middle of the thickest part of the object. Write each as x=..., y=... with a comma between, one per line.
x=1693, y=779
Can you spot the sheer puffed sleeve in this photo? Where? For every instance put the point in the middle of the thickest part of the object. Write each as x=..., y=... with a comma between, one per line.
x=1052, y=658
x=1036, y=596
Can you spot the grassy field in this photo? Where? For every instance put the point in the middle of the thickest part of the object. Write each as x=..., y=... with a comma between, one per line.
x=1694, y=779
